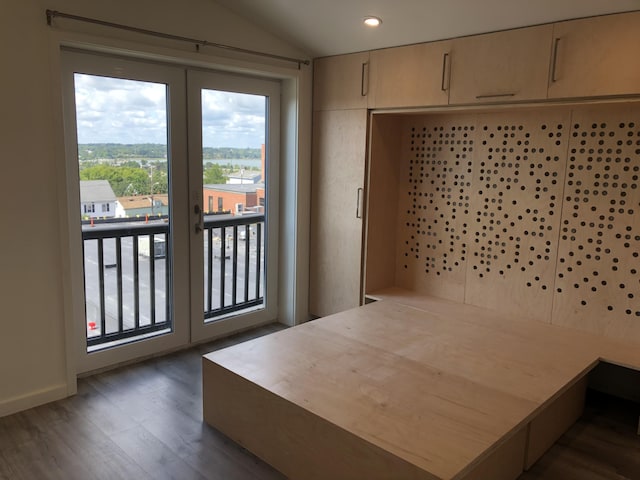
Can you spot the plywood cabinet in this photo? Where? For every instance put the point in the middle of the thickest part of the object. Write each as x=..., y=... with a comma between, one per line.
x=596, y=57
x=341, y=82
x=337, y=195
x=411, y=76
x=501, y=67
x=580, y=58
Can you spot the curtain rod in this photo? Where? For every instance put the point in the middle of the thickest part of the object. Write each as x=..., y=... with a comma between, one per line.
x=51, y=14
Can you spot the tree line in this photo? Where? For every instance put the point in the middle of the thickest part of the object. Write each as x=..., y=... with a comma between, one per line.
x=132, y=179
x=118, y=151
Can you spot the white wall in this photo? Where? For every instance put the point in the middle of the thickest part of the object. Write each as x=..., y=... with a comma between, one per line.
x=33, y=358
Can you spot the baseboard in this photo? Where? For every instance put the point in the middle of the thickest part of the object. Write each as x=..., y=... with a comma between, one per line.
x=33, y=399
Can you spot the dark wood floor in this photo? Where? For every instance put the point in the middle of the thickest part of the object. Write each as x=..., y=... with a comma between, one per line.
x=145, y=422
x=603, y=445
x=138, y=422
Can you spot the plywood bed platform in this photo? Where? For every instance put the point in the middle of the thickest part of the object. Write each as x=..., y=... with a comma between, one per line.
x=409, y=387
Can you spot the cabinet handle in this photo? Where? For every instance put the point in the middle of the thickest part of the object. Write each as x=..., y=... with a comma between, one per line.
x=496, y=95
x=554, y=60
x=359, y=203
x=363, y=92
x=445, y=86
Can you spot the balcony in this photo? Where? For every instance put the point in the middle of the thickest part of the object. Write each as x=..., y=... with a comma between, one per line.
x=128, y=275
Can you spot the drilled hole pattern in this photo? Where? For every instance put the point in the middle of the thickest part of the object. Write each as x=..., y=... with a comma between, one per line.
x=531, y=212
x=519, y=175
x=438, y=175
x=598, y=276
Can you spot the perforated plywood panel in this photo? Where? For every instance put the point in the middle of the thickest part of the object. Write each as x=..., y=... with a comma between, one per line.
x=532, y=212
x=598, y=280
x=435, y=196
x=516, y=204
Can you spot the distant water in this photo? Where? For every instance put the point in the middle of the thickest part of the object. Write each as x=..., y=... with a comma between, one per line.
x=237, y=162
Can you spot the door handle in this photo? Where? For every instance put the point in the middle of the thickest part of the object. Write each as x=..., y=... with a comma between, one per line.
x=199, y=225
x=359, y=203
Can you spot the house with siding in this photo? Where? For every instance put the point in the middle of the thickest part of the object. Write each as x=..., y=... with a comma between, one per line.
x=97, y=199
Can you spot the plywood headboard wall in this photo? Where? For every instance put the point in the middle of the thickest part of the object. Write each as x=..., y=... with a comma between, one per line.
x=533, y=211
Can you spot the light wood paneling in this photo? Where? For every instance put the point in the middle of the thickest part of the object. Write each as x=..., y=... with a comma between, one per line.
x=505, y=463
x=411, y=76
x=597, y=284
x=530, y=212
x=596, y=56
x=556, y=419
x=337, y=172
x=501, y=67
x=444, y=386
x=516, y=204
x=275, y=429
x=341, y=82
x=434, y=206
x=382, y=199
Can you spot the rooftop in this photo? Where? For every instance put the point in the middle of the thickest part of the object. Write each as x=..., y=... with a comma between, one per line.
x=142, y=201
x=234, y=187
x=96, y=191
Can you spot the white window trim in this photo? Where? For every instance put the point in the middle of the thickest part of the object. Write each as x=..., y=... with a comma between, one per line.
x=295, y=171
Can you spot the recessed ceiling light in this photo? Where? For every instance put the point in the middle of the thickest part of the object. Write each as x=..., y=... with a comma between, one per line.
x=372, y=21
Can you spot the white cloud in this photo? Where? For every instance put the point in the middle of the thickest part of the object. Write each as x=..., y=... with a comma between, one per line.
x=232, y=119
x=111, y=110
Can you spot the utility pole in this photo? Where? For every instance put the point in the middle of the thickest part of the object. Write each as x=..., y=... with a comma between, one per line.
x=151, y=186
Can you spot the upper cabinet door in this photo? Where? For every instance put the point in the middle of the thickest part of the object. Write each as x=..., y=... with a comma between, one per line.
x=341, y=82
x=412, y=76
x=596, y=56
x=501, y=67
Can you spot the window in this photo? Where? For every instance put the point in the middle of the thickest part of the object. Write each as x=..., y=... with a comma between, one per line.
x=105, y=207
x=220, y=204
x=210, y=209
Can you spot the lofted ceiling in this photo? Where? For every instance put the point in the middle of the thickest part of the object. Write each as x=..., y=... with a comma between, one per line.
x=330, y=27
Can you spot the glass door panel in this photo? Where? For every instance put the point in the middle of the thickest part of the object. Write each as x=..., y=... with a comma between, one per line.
x=125, y=133
x=124, y=204
x=233, y=166
x=233, y=157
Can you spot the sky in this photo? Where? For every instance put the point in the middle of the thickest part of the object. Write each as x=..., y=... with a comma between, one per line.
x=110, y=110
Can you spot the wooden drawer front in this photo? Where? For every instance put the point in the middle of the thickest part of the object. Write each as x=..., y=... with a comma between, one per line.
x=556, y=419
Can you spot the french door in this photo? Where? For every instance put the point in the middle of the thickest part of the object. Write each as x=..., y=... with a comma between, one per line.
x=233, y=246
x=154, y=268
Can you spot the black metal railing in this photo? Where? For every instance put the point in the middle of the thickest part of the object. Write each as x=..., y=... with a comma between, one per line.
x=235, y=244
x=127, y=280
x=128, y=274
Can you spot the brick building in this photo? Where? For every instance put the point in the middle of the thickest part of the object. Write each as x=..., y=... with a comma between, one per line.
x=235, y=198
